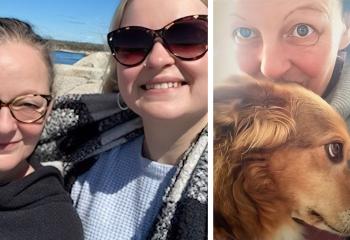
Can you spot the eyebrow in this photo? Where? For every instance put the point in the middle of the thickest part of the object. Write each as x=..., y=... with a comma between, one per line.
x=310, y=7
x=238, y=16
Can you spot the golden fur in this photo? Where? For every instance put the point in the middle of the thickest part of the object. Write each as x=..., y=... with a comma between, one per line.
x=272, y=165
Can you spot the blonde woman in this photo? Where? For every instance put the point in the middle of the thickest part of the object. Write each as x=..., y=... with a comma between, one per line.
x=138, y=166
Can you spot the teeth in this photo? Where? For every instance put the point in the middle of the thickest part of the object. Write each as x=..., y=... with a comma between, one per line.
x=162, y=85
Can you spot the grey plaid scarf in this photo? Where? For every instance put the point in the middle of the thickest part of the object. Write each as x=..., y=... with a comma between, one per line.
x=83, y=126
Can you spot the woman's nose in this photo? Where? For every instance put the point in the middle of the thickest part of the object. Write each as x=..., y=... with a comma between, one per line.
x=8, y=124
x=159, y=57
x=274, y=61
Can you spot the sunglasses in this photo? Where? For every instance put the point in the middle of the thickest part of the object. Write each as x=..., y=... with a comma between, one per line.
x=186, y=38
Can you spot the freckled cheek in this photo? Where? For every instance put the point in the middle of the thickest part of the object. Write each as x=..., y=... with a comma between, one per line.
x=319, y=70
x=313, y=63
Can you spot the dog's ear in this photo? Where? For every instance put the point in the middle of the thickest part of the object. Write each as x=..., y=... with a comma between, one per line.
x=254, y=114
x=248, y=115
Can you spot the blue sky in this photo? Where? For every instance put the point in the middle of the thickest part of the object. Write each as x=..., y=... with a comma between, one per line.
x=74, y=20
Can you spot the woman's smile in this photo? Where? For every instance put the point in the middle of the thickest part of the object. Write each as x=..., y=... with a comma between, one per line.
x=6, y=147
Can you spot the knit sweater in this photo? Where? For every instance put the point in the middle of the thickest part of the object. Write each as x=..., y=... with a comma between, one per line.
x=339, y=95
x=130, y=185
x=81, y=127
x=37, y=207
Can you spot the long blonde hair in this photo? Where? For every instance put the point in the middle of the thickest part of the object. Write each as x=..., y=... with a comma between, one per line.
x=110, y=82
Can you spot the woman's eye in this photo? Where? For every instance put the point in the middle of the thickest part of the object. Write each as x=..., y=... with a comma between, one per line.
x=302, y=35
x=302, y=31
x=27, y=105
x=243, y=33
x=334, y=151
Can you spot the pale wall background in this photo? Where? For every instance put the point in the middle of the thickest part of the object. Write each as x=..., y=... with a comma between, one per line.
x=224, y=64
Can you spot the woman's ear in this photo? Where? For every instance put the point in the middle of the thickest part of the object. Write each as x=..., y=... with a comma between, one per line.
x=345, y=40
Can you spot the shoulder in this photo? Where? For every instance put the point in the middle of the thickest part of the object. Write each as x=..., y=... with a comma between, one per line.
x=339, y=97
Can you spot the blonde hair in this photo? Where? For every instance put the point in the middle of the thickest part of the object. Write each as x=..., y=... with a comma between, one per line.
x=110, y=82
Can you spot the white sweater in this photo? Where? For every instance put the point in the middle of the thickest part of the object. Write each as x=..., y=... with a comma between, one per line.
x=120, y=196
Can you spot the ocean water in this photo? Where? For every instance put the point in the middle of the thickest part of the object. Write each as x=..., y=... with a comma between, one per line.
x=63, y=57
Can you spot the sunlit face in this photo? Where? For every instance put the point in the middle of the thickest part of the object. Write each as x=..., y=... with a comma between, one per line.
x=22, y=71
x=187, y=96
x=287, y=40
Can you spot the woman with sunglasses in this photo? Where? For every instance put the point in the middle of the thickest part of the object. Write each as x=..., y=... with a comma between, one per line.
x=33, y=202
x=143, y=175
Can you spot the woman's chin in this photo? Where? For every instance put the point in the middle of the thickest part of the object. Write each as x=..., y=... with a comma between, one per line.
x=159, y=111
x=162, y=115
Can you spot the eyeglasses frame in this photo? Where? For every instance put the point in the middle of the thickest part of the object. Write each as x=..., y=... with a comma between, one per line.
x=48, y=99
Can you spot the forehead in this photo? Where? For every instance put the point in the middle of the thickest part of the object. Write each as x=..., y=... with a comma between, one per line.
x=22, y=70
x=148, y=14
x=274, y=8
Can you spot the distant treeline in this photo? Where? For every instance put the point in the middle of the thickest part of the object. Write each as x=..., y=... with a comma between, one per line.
x=76, y=46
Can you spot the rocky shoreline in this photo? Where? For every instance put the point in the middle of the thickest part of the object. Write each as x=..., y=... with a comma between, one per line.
x=85, y=76
x=70, y=46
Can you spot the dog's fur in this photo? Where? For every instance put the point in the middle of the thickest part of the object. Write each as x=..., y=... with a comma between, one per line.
x=271, y=167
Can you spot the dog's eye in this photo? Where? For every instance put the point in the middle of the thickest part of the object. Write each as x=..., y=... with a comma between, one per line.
x=334, y=151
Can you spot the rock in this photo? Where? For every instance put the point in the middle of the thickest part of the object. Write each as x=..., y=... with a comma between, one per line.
x=95, y=60
x=70, y=84
x=77, y=71
x=85, y=76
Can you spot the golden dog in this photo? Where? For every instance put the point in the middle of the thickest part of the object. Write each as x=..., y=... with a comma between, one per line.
x=281, y=160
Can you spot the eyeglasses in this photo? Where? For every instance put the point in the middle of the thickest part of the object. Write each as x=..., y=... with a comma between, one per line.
x=28, y=108
x=186, y=38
